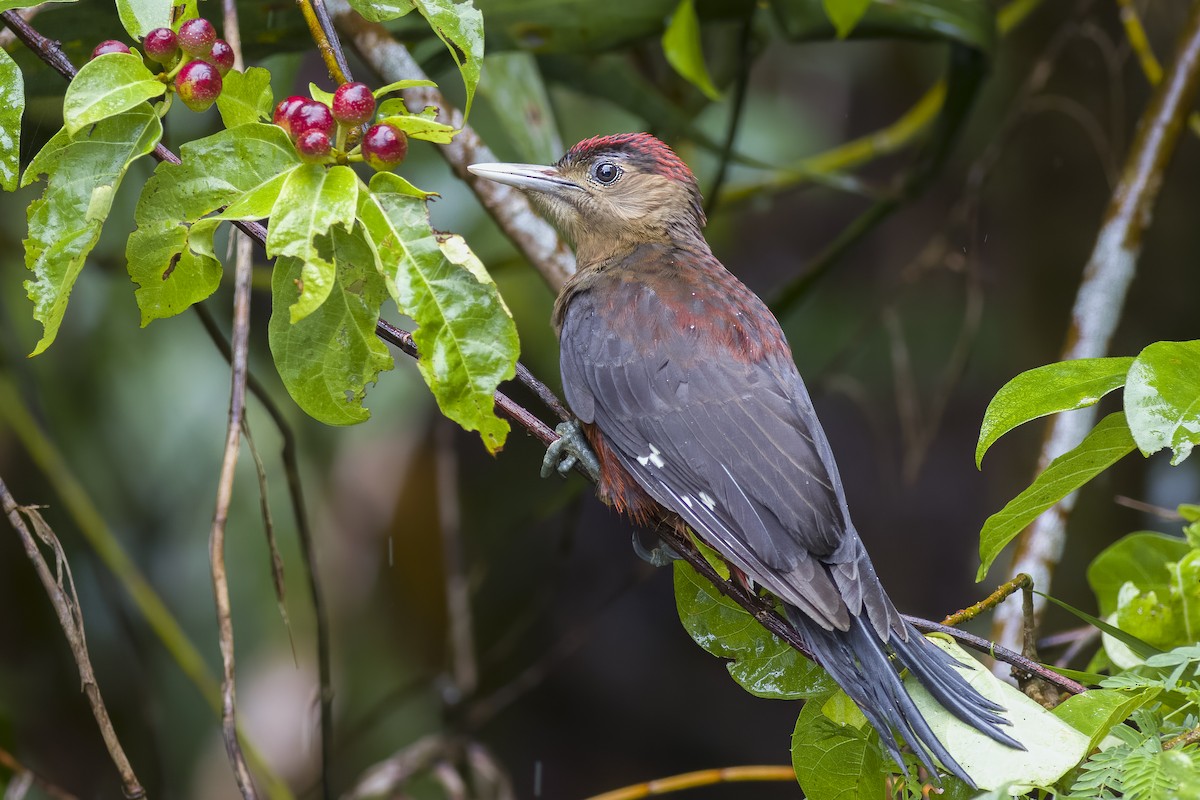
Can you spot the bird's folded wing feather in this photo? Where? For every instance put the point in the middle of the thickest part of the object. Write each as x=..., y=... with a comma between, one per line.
x=734, y=448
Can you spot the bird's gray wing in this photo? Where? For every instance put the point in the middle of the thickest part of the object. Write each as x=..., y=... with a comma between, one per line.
x=734, y=447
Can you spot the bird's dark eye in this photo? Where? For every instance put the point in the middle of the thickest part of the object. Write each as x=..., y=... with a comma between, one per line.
x=606, y=172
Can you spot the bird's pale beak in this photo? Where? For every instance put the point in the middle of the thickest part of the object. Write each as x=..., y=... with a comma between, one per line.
x=530, y=177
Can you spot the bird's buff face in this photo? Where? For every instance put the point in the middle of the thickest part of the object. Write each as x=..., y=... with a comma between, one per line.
x=610, y=193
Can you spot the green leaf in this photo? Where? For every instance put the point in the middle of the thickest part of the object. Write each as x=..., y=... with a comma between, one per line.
x=1095, y=712
x=328, y=358
x=245, y=97
x=460, y=27
x=106, y=86
x=319, y=94
x=682, y=46
x=142, y=16
x=465, y=336
x=12, y=106
x=254, y=204
x=968, y=22
x=397, y=86
x=835, y=761
x=761, y=663
x=64, y=223
x=1051, y=389
x=382, y=10
x=313, y=200
x=1052, y=746
x=9, y=5
x=1140, y=648
x=215, y=171
x=517, y=93
x=1138, y=558
x=1100, y=449
x=845, y=14
x=1162, y=398
x=422, y=128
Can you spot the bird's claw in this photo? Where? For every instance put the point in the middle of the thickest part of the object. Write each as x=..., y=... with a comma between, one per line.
x=660, y=556
x=571, y=448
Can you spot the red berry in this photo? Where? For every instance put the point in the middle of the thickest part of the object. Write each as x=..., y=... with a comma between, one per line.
x=283, y=112
x=110, y=46
x=196, y=37
x=384, y=147
x=161, y=45
x=353, y=104
x=221, y=56
x=313, y=146
x=311, y=115
x=198, y=84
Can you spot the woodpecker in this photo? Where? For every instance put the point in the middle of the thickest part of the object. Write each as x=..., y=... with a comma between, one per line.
x=686, y=390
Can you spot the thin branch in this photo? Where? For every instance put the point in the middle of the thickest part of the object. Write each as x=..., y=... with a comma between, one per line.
x=232, y=32
x=1135, y=34
x=460, y=630
x=1101, y=297
x=216, y=541
x=291, y=468
x=532, y=235
x=70, y=617
x=705, y=777
x=325, y=37
x=740, y=85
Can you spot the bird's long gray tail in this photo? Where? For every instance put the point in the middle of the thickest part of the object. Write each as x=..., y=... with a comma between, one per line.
x=861, y=665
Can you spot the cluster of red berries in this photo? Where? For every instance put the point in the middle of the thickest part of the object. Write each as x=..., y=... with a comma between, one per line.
x=194, y=57
x=316, y=127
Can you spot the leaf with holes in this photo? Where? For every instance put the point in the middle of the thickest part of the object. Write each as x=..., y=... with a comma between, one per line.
x=762, y=663
x=106, y=86
x=465, y=336
x=1162, y=398
x=1099, y=450
x=1051, y=389
x=171, y=272
x=329, y=357
x=83, y=173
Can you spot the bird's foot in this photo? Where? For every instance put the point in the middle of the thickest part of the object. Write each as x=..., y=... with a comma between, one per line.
x=569, y=449
x=661, y=555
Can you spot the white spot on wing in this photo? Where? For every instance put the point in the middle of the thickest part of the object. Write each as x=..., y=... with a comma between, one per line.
x=655, y=458
x=707, y=499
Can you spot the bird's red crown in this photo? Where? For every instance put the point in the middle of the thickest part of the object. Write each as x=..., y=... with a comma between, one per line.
x=642, y=148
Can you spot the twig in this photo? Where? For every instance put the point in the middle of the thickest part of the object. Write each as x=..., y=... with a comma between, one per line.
x=232, y=32
x=1183, y=739
x=7, y=37
x=1003, y=592
x=706, y=777
x=216, y=543
x=532, y=235
x=325, y=37
x=735, y=114
x=460, y=631
x=70, y=617
x=385, y=777
x=100, y=537
x=1101, y=296
x=1135, y=34
x=291, y=468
